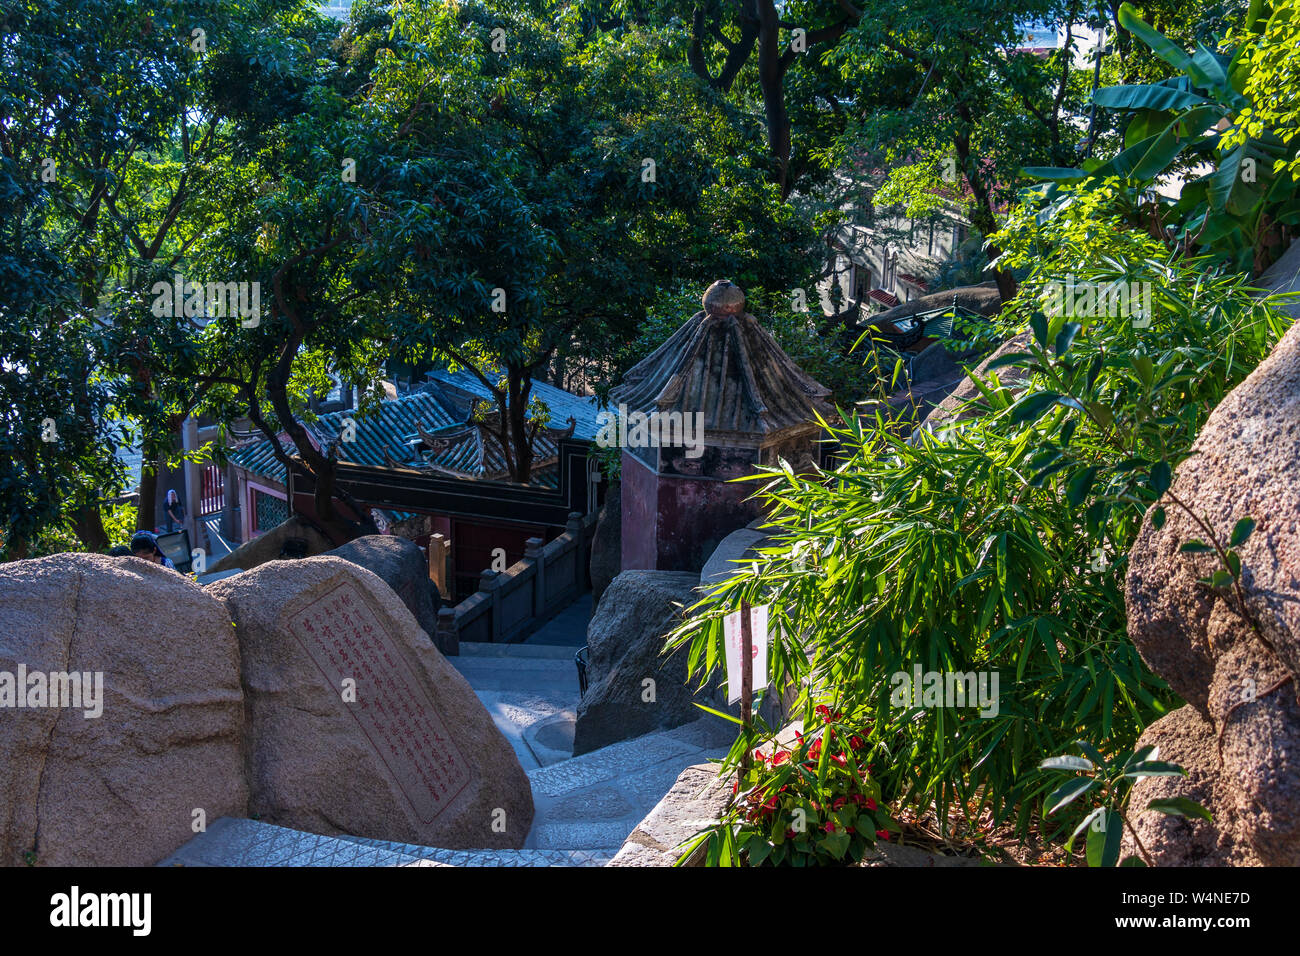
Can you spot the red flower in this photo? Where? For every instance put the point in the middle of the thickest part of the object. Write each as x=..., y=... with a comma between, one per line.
x=882, y=834
x=829, y=826
x=839, y=802
x=870, y=804
x=789, y=834
x=735, y=787
x=856, y=742
x=823, y=712
x=780, y=757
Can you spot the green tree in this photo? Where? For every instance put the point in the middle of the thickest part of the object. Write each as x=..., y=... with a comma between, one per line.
x=104, y=147
x=514, y=195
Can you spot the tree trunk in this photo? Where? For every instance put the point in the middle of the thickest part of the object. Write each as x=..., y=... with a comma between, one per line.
x=89, y=526
x=145, y=507
x=517, y=408
x=982, y=214
x=771, y=75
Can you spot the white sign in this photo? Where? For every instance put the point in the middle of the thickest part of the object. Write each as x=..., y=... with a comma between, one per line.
x=732, y=639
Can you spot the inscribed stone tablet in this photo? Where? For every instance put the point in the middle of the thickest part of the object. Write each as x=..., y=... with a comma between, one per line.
x=345, y=638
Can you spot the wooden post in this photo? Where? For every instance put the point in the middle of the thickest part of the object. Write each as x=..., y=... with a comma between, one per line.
x=746, y=678
x=439, y=547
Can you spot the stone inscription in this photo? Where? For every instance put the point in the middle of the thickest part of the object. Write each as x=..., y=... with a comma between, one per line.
x=345, y=638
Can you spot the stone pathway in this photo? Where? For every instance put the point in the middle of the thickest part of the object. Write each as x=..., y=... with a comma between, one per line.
x=218, y=547
x=590, y=802
x=595, y=801
x=568, y=628
x=531, y=691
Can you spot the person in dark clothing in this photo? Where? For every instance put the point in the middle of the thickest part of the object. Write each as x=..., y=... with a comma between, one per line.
x=119, y=551
x=175, y=512
x=145, y=545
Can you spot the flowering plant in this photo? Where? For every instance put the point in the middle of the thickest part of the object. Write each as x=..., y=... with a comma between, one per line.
x=814, y=804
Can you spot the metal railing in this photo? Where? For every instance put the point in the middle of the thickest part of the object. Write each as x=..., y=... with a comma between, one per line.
x=580, y=659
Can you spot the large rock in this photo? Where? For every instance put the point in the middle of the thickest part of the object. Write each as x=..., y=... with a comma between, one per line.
x=404, y=568
x=695, y=803
x=1186, y=738
x=356, y=723
x=1236, y=670
x=626, y=640
x=607, y=542
x=956, y=406
x=122, y=788
x=268, y=546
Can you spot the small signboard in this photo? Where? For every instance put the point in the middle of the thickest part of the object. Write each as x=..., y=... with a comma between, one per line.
x=176, y=547
x=758, y=650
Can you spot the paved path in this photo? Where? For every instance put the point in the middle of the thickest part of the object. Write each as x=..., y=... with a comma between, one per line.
x=591, y=802
x=568, y=628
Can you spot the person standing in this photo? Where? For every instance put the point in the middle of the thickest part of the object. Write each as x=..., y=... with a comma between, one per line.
x=175, y=512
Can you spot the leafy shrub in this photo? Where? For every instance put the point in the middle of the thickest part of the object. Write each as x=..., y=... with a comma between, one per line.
x=999, y=545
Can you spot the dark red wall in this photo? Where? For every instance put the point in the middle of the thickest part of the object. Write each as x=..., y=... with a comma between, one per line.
x=674, y=523
x=695, y=514
x=640, y=502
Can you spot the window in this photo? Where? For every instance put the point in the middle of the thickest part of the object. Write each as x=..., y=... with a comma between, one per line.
x=268, y=511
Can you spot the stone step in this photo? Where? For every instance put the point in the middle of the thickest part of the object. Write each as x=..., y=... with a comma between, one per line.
x=545, y=676
x=231, y=841
x=597, y=799
x=489, y=857
x=518, y=651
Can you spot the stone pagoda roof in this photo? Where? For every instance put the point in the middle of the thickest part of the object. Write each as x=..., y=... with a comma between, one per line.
x=726, y=365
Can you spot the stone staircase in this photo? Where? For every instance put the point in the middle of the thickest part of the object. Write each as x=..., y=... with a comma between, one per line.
x=584, y=807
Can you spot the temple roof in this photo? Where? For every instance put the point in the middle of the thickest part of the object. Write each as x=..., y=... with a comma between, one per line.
x=726, y=365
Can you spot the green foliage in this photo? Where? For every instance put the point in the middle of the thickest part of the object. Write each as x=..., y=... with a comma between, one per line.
x=1269, y=61
x=109, y=134
x=119, y=522
x=919, y=188
x=1111, y=782
x=999, y=544
x=1242, y=211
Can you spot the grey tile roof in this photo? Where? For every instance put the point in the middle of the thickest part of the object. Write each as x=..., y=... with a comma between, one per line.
x=392, y=431
x=563, y=405
x=393, y=424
